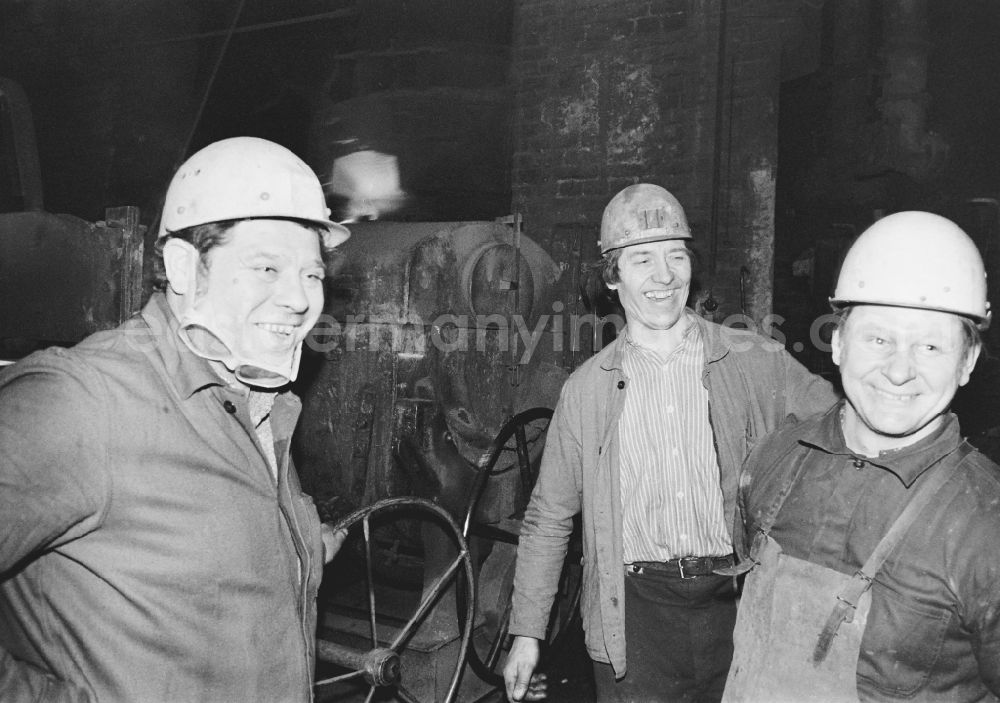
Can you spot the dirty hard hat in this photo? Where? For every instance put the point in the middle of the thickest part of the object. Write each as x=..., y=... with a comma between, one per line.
x=642, y=213
x=246, y=177
x=915, y=260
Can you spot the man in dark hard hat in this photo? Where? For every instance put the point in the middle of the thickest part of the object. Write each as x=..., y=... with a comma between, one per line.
x=155, y=544
x=646, y=442
x=876, y=527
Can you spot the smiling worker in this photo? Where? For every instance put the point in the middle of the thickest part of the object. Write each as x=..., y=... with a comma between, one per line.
x=875, y=526
x=155, y=544
x=646, y=442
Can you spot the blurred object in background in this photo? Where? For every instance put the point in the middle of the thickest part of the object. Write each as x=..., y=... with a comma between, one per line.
x=369, y=182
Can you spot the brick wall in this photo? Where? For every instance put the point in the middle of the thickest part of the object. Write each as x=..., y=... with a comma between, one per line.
x=610, y=93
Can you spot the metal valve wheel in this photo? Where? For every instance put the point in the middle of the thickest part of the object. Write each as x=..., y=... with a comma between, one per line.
x=382, y=666
x=512, y=448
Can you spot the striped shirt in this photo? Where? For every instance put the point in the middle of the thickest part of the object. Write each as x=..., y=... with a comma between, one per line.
x=671, y=497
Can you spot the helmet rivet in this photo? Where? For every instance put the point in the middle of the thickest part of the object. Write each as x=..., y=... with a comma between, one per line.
x=861, y=284
x=265, y=196
x=180, y=209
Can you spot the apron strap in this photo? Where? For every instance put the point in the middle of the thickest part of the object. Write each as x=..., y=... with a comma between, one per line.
x=767, y=521
x=848, y=598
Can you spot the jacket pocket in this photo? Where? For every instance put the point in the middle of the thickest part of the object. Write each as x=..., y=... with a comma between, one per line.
x=901, y=644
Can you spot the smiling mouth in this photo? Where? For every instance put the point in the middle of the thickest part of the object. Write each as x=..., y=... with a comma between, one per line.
x=658, y=295
x=281, y=330
x=894, y=397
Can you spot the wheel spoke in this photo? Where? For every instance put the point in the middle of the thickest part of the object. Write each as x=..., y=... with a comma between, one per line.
x=493, y=656
x=371, y=583
x=341, y=677
x=371, y=665
x=429, y=599
x=523, y=460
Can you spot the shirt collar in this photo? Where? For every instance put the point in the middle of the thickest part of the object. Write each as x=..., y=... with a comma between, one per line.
x=688, y=339
x=906, y=463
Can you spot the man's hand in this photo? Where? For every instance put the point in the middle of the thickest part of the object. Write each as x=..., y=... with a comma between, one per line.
x=518, y=673
x=332, y=541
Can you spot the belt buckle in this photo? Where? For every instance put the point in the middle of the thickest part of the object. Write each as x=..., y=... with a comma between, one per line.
x=680, y=567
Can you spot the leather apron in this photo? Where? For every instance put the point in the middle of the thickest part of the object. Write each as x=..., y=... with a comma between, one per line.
x=799, y=625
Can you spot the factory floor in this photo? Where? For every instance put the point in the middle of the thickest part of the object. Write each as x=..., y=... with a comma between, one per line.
x=428, y=665
x=342, y=619
x=569, y=675
x=568, y=671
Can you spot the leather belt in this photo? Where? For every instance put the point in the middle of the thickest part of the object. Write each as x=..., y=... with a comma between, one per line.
x=685, y=567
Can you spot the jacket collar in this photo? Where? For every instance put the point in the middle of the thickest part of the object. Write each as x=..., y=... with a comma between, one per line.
x=906, y=463
x=188, y=372
x=715, y=338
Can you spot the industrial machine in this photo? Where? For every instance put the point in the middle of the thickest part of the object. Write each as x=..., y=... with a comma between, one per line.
x=431, y=377
x=61, y=277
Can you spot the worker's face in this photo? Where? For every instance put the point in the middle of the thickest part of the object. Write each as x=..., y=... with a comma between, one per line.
x=263, y=290
x=654, y=283
x=900, y=369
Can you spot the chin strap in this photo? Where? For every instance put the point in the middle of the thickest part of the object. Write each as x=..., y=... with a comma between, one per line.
x=207, y=345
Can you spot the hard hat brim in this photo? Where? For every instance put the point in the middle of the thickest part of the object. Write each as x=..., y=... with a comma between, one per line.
x=664, y=236
x=334, y=233
x=838, y=304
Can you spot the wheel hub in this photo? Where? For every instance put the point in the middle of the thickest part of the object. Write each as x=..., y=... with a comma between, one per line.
x=382, y=667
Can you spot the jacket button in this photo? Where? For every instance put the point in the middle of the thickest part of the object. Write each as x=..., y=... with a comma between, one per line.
x=621, y=385
x=614, y=602
x=230, y=408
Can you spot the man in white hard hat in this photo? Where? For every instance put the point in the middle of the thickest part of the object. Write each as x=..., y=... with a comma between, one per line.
x=155, y=544
x=646, y=442
x=875, y=526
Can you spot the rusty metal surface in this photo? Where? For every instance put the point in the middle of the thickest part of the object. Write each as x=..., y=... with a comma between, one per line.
x=62, y=278
x=418, y=337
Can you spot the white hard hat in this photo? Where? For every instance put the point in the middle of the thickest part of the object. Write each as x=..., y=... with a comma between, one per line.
x=642, y=213
x=246, y=177
x=915, y=260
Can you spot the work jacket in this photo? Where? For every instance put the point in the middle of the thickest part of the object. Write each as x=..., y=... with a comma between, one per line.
x=147, y=553
x=753, y=386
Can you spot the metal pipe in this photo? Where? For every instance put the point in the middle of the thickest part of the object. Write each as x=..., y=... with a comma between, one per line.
x=28, y=172
x=720, y=79
x=334, y=14
x=744, y=275
x=155, y=226
x=211, y=81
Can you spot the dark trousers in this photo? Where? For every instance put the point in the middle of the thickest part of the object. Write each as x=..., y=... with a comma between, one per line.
x=678, y=640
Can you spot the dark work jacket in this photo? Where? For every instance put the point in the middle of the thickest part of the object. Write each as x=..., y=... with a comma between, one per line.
x=933, y=631
x=146, y=552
